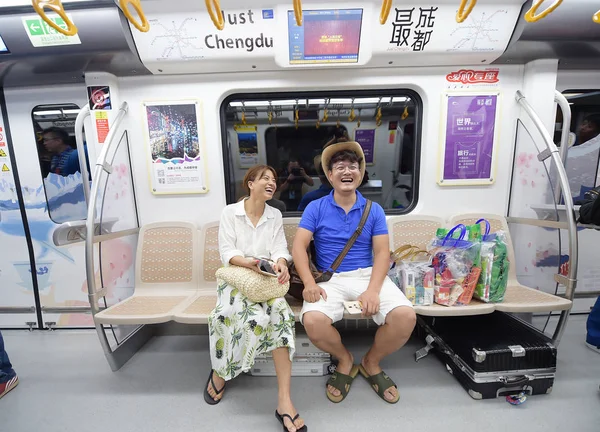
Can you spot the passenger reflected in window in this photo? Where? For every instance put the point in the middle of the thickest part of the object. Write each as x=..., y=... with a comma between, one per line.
x=293, y=177
x=323, y=190
x=64, y=159
x=589, y=129
x=582, y=158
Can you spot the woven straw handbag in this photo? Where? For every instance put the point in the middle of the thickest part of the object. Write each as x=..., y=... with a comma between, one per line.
x=254, y=286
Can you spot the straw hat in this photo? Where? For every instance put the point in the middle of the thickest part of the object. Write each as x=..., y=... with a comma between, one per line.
x=348, y=145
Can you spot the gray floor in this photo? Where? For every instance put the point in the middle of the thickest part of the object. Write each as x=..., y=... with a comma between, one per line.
x=66, y=385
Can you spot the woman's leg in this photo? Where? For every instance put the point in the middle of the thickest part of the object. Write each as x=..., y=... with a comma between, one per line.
x=283, y=369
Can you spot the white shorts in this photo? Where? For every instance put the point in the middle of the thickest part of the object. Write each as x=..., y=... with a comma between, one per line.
x=348, y=286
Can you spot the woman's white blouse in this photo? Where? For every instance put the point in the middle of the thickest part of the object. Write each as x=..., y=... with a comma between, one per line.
x=238, y=237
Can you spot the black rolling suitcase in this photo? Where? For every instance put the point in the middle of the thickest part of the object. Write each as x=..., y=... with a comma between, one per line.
x=492, y=355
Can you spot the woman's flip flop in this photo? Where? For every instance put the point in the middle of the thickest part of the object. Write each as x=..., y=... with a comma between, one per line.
x=207, y=397
x=280, y=417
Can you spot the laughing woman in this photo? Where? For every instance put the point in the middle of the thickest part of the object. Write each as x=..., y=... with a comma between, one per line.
x=239, y=329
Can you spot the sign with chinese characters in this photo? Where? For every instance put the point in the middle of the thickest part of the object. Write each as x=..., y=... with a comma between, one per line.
x=411, y=28
x=102, y=127
x=42, y=35
x=469, y=140
x=366, y=139
x=175, y=147
x=469, y=77
x=427, y=34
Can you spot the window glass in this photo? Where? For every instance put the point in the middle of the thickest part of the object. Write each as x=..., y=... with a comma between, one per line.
x=54, y=127
x=583, y=156
x=288, y=132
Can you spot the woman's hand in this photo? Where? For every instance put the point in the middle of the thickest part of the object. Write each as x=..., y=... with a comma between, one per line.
x=283, y=274
x=250, y=263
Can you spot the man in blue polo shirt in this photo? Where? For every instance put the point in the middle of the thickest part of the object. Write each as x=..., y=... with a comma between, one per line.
x=362, y=275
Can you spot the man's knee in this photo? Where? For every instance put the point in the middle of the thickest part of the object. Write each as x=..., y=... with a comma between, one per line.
x=314, y=323
x=402, y=318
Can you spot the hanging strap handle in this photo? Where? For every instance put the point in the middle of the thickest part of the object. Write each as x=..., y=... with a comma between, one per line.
x=56, y=7
x=463, y=14
x=530, y=16
x=216, y=15
x=144, y=26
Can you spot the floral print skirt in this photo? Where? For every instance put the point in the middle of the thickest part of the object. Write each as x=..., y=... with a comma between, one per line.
x=240, y=330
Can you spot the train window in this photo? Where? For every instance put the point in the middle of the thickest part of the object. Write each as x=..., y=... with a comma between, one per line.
x=584, y=140
x=288, y=132
x=54, y=127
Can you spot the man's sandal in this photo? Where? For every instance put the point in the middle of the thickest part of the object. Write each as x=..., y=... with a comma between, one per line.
x=341, y=382
x=207, y=397
x=280, y=417
x=380, y=383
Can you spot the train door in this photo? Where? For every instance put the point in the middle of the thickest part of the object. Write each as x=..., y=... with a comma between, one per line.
x=19, y=300
x=42, y=125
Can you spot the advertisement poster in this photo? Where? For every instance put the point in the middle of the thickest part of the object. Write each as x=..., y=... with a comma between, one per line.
x=366, y=139
x=99, y=97
x=247, y=145
x=470, y=135
x=176, y=152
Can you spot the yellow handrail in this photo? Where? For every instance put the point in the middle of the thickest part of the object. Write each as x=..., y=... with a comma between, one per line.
x=463, y=14
x=386, y=6
x=216, y=14
x=596, y=17
x=298, y=12
x=56, y=7
x=145, y=25
x=530, y=16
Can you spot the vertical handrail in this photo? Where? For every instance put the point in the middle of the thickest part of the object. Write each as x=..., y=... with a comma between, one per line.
x=101, y=165
x=85, y=175
x=571, y=280
x=563, y=103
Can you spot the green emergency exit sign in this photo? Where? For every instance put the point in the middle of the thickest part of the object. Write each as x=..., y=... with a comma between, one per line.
x=42, y=35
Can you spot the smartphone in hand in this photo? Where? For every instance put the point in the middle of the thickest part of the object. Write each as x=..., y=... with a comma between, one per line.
x=266, y=268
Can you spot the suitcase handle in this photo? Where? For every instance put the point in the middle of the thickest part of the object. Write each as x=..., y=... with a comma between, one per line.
x=518, y=381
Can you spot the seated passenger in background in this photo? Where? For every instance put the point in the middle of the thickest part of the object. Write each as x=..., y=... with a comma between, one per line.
x=239, y=329
x=362, y=275
x=323, y=190
x=278, y=204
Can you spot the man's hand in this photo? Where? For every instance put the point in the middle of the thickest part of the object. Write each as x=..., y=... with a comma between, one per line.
x=311, y=293
x=369, y=301
x=283, y=274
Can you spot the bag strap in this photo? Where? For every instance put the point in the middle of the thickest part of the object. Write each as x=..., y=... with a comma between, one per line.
x=342, y=255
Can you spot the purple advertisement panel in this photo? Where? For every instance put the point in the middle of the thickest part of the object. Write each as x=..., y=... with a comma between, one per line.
x=469, y=145
x=366, y=139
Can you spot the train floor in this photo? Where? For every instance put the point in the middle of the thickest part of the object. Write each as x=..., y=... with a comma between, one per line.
x=66, y=385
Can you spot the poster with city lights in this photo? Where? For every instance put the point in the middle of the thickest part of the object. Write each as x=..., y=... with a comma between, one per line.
x=174, y=137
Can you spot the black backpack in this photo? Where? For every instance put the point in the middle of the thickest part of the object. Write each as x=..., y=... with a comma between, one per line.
x=589, y=212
